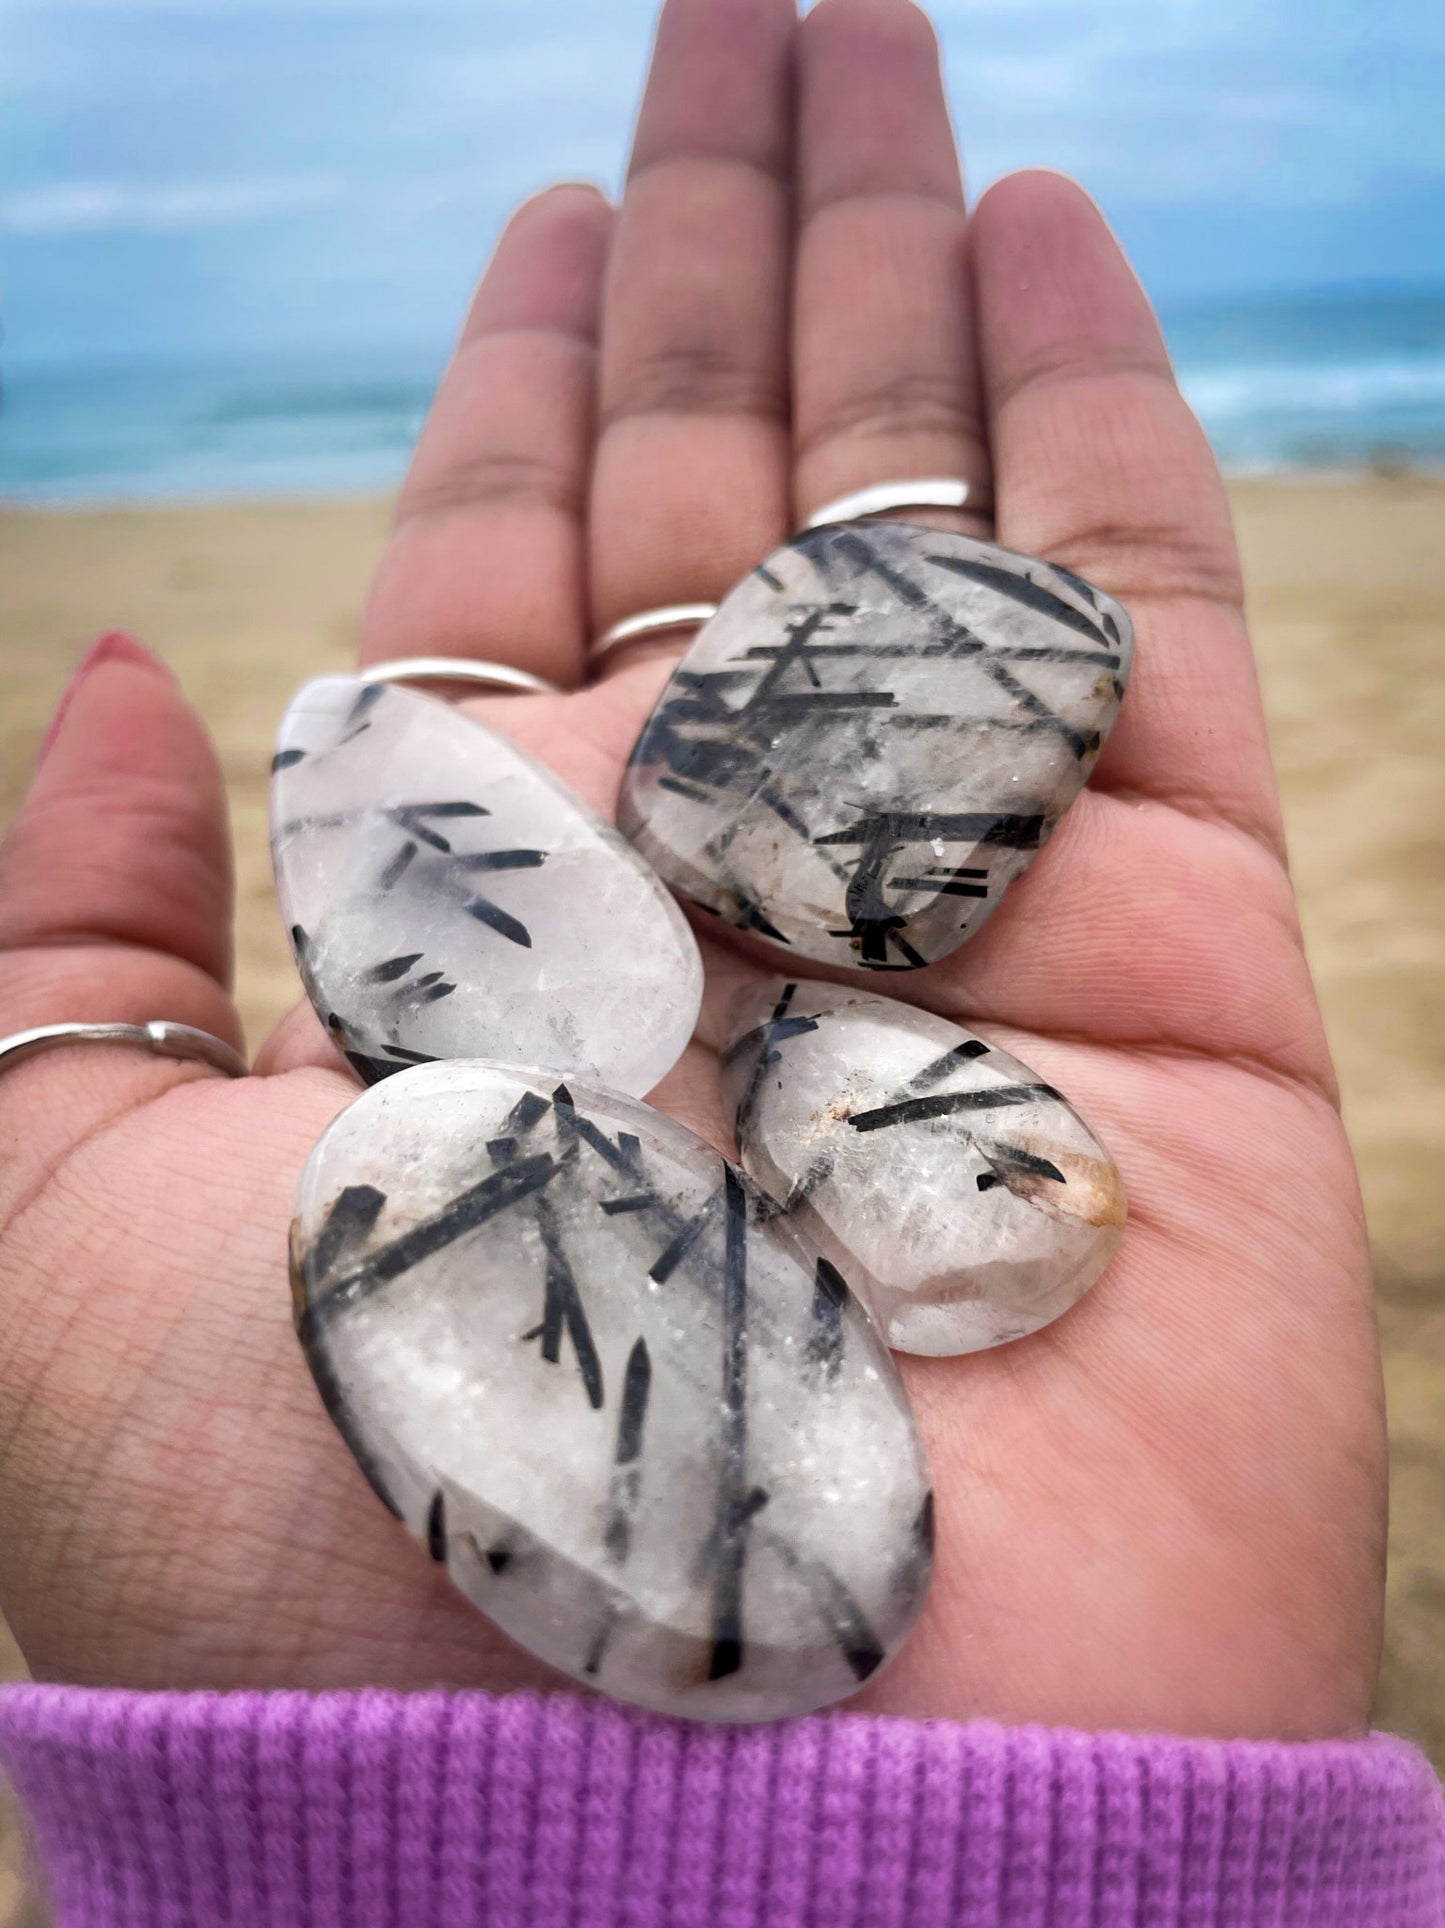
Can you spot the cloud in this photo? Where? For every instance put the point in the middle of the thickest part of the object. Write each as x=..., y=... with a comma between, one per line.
x=93, y=207
x=260, y=12
x=325, y=166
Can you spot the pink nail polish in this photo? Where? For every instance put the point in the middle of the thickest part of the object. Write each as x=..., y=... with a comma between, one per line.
x=114, y=647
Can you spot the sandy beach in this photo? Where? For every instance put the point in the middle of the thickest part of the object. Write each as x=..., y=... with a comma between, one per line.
x=1347, y=581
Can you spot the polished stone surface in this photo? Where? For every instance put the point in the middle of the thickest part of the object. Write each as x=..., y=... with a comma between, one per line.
x=448, y=897
x=647, y=1431
x=875, y=734
x=963, y=1199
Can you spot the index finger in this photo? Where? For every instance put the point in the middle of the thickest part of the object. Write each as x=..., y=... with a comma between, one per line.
x=486, y=557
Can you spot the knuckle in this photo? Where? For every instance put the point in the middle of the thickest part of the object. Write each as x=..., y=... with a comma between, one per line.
x=1072, y=362
x=700, y=375
x=1153, y=554
x=1123, y=478
x=503, y=478
x=905, y=402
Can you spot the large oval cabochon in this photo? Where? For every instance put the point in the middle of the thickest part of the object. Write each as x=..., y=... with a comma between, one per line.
x=582, y=1358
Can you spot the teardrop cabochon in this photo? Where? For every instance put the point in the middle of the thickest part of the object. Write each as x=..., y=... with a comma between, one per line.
x=578, y=1355
x=961, y=1196
x=877, y=731
x=448, y=897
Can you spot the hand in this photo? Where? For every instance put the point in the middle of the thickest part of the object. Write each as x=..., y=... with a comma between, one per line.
x=1166, y=1511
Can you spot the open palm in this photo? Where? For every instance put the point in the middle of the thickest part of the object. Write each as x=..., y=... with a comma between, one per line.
x=1166, y=1510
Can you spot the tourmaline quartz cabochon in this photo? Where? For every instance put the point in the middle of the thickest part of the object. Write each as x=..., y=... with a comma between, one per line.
x=874, y=735
x=960, y=1196
x=644, y=1427
x=448, y=897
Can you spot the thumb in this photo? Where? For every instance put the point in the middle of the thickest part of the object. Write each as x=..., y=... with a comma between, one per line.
x=115, y=877
x=122, y=838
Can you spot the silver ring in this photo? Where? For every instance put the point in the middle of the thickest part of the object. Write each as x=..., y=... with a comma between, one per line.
x=933, y=492
x=160, y=1037
x=459, y=669
x=652, y=622
x=883, y=498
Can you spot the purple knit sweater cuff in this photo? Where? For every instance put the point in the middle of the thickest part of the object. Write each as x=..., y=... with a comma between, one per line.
x=458, y=1811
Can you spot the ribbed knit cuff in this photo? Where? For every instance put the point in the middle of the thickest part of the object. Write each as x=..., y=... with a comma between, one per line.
x=455, y=1811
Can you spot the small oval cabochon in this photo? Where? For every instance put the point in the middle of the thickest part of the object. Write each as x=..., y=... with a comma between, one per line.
x=962, y=1196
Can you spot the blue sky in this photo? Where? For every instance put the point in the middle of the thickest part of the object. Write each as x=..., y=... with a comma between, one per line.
x=215, y=175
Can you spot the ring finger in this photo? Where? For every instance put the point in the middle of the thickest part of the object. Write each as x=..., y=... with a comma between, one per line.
x=690, y=487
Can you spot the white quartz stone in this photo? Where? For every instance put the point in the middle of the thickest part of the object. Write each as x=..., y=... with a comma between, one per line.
x=448, y=897
x=649, y=1433
x=963, y=1199
x=874, y=735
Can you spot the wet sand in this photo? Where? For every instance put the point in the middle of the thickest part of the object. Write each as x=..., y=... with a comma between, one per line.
x=1347, y=584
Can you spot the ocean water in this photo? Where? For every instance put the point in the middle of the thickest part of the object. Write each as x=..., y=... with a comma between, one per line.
x=1339, y=380
x=1328, y=380
x=176, y=430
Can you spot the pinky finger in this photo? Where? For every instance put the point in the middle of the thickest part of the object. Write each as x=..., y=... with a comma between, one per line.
x=1100, y=465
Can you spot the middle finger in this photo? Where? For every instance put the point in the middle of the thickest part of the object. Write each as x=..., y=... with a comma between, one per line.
x=690, y=486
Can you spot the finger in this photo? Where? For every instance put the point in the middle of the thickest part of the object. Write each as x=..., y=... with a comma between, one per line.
x=690, y=488
x=885, y=381
x=486, y=558
x=115, y=893
x=1100, y=465
x=122, y=839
